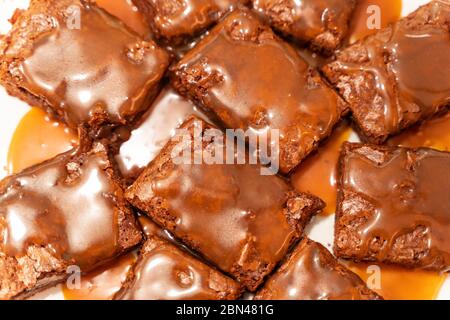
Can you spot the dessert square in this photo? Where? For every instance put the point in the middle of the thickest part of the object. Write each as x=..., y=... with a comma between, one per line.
x=79, y=63
x=322, y=24
x=312, y=273
x=165, y=272
x=66, y=214
x=252, y=80
x=176, y=21
x=241, y=221
x=393, y=206
x=399, y=76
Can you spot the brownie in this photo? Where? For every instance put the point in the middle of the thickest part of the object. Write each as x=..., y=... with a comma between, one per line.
x=241, y=221
x=96, y=72
x=312, y=273
x=399, y=76
x=164, y=272
x=175, y=21
x=322, y=24
x=268, y=87
x=152, y=132
x=393, y=206
x=68, y=211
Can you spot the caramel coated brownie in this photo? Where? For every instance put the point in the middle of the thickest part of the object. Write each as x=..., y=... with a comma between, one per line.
x=240, y=220
x=252, y=80
x=65, y=212
x=312, y=273
x=79, y=63
x=175, y=21
x=393, y=206
x=399, y=76
x=323, y=24
x=164, y=272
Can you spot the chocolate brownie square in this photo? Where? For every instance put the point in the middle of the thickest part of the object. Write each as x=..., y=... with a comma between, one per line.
x=393, y=206
x=165, y=272
x=79, y=63
x=240, y=220
x=66, y=212
x=252, y=80
x=175, y=21
x=399, y=76
x=323, y=24
x=312, y=273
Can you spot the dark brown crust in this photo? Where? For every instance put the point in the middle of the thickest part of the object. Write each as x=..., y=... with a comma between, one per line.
x=299, y=209
x=329, y=260
x=40, y=268
x=359, y=88
x=410, y=250
x=23, y=37
x=226, y=288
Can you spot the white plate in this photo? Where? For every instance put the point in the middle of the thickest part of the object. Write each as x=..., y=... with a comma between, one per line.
x=12, y=110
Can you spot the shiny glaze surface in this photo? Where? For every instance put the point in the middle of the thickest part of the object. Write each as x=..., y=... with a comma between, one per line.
x=38, y=138
x=312, y=273
x=173, y=19
x=318, y=173
x=268, y=87
x=101, y=70
x=156, y=127
x=41, y=207
x=392, y=61
x=391, y=11
x=434, y=134
x=164, y=272
x=407, y=200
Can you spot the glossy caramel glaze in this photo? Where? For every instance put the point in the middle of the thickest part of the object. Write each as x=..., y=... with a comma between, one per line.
x=312, y=273
x=399, y=76
x=40, y=207
x=156, y=127
x=323, y=23
x=434, y=134
x=268, y=87
x=38, y=138
x=318, y=173
x=252, y=219
x=391, y=11
x=128, y=13
x=164, y=272
x=394, y=206
x=104, y=282
x=176, y=20
x=99, y=73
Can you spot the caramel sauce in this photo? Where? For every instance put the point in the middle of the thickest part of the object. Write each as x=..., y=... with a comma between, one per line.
x=128, y=13
x=390, y=12
x=36, y=139
x=317, y=174
x=434, y=133
x=103, y=283
x=402, y=284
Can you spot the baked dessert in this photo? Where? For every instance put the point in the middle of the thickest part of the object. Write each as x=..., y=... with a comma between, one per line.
x=153, y=130
x=399, y=76
x=240, y=220
x=68, y=211
x=176, y=21
x=393, y=206
x=269, y=87
x=165, y=272
x=79, y=63
x=322, y=24
x=312, y=273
